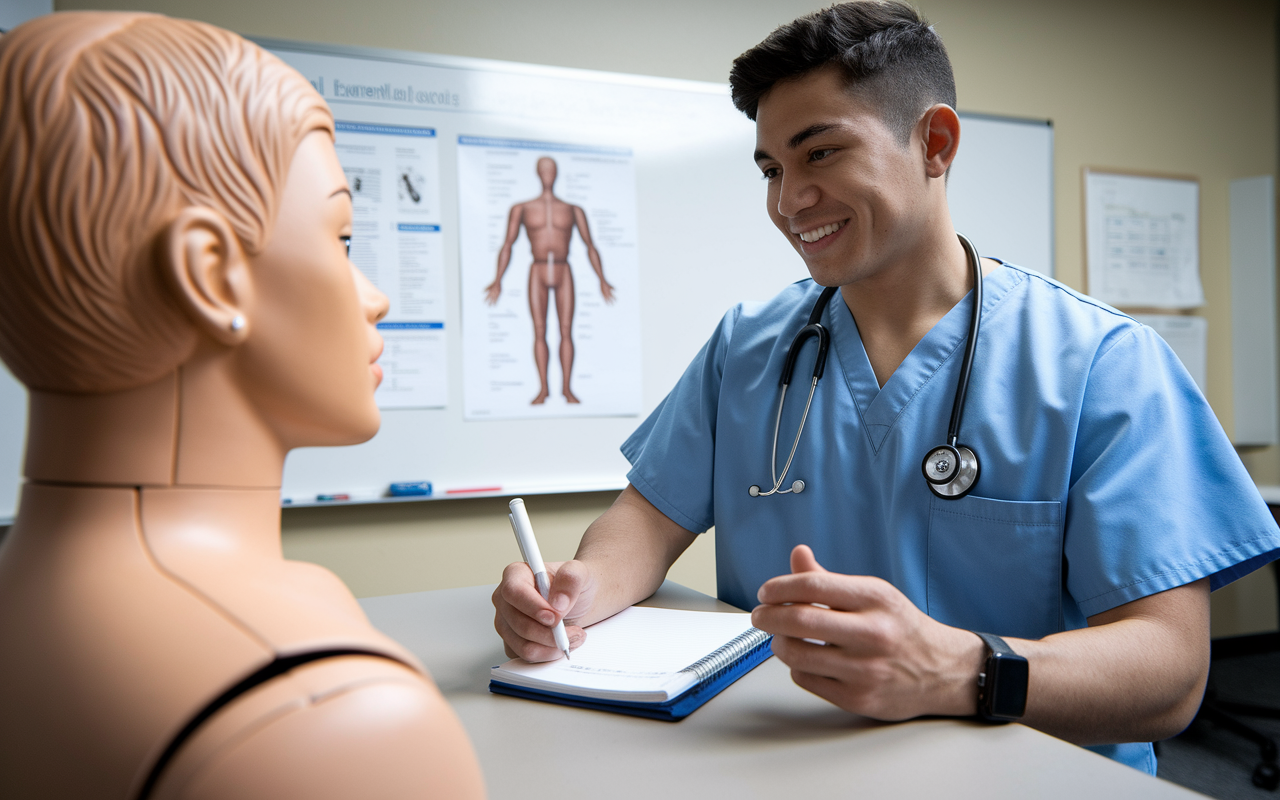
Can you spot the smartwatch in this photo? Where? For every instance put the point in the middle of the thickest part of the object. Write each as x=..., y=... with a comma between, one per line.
x=1002, y=685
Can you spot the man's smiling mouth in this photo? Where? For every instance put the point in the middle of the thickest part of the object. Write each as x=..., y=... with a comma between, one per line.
x=818, y=233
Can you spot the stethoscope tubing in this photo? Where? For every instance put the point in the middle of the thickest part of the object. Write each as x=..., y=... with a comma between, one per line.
x=815, y=329
x=971, y=345
x=812, y=329
x=777, y=424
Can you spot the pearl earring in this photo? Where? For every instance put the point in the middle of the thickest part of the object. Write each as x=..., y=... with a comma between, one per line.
x=237, y=323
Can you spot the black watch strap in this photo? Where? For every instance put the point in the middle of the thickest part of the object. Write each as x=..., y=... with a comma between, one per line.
x=1002, y=685
x=995, y=644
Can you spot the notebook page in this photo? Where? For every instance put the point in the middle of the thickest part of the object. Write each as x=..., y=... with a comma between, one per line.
x=636, y=655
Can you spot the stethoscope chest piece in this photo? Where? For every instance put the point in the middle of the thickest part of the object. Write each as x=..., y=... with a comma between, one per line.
x=950, y=471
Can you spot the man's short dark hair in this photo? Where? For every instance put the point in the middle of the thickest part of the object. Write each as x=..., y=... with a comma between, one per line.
x=887, y=52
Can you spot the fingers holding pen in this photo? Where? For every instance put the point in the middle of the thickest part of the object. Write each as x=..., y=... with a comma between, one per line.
x=523, y=637
x=525, y=620
x=572, y=590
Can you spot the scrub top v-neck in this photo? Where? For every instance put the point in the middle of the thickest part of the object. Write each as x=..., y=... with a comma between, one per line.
x=880, y=407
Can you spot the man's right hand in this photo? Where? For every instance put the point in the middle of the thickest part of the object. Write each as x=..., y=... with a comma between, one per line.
x=623, y=557
x=524, y=620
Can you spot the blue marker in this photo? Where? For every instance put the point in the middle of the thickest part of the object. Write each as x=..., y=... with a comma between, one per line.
x=411, y=489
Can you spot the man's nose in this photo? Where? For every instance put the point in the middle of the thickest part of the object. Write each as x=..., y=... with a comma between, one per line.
x=795, y=195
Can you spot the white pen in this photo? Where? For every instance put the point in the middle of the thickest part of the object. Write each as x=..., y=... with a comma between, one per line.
x=533, y=557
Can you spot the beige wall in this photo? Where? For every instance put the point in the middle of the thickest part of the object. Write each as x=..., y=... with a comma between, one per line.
x=1162, y=85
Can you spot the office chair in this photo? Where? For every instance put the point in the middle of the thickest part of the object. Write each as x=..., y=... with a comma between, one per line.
x=1226, y=714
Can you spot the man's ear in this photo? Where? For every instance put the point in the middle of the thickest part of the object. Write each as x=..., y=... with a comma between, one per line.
x=208, y=272
x=940, y=132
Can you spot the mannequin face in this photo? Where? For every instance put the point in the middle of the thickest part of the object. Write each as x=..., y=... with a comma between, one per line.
x=307, y=361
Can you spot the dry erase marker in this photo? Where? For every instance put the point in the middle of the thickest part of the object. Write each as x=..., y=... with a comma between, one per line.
x=533, y=557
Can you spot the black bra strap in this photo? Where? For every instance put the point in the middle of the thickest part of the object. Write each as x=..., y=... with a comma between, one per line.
x=267, y=673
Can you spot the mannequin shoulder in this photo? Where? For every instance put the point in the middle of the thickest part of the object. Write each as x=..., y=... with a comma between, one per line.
x=353, y=726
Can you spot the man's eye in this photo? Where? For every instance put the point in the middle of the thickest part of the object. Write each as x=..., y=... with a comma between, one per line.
x=818, y=155
x=769, y=174
x=347, y=241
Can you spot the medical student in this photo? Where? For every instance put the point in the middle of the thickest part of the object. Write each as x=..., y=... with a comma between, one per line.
x=1098, y=501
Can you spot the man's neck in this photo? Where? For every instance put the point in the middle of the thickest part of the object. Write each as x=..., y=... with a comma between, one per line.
x=897, y=306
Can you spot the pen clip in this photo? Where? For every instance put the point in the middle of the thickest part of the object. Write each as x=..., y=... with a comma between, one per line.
x=519, y=541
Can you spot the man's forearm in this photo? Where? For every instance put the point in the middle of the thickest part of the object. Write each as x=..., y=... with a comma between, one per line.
x=1136, y=674
x=629, y=550
x=1138, y=677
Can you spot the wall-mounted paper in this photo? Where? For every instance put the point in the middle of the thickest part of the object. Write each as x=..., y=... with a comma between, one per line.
x=1143, y=236
x=550, y=271
x=394, y=175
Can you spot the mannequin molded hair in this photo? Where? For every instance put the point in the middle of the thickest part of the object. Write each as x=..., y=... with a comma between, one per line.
x=83, y=308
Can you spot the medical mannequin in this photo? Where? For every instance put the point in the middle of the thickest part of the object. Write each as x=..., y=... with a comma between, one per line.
x=175, y=294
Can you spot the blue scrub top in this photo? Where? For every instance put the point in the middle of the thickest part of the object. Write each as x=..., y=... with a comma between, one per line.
x=1105, y=476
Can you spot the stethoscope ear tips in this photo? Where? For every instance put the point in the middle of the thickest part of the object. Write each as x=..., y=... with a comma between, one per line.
x=796, y=488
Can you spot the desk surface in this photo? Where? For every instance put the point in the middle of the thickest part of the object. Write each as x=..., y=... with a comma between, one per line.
x=762, y=737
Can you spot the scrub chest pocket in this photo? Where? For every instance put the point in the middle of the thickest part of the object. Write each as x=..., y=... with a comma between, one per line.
x=996, y=565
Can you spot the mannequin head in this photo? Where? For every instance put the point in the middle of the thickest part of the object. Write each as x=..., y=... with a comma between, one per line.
x=111, y=126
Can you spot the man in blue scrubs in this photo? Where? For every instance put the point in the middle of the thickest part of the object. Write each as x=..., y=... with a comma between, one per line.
x=1109, y=501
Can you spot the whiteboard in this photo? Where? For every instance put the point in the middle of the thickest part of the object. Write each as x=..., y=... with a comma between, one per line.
x=704, y=242
x=1001, y=189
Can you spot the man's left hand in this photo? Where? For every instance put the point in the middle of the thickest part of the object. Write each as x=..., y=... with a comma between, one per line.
x=882, y=658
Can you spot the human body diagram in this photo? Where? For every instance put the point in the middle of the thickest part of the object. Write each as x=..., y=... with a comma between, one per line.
x=549, y=223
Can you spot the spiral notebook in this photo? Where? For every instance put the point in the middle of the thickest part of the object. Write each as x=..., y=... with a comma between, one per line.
x=649, y=662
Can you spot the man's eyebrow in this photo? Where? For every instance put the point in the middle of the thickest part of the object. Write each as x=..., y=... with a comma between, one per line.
x=811, y=131
x=799, y=138
x=343, y=190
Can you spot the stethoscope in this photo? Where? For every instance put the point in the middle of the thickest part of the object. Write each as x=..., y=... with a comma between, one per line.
x=950, y=469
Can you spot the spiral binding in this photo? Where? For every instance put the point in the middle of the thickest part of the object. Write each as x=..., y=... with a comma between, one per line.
x=713, y=664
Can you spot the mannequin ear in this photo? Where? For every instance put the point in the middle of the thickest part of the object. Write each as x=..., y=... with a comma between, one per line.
x=940, y=132
x=207, y=270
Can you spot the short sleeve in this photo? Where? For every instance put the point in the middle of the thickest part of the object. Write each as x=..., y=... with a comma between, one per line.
x=672, y=453
x=1158, y=496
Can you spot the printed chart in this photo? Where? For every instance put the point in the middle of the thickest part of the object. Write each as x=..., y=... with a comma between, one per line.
x=394, y=175
x=550, y=283
x=1143, y=240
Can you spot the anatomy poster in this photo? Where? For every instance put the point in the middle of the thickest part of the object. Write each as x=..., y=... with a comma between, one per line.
x=394, y=175
x=550, y=283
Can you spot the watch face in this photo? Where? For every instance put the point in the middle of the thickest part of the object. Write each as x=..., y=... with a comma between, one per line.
x=1007, y=698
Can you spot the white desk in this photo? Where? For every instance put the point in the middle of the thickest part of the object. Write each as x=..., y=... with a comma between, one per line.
x=762, y=737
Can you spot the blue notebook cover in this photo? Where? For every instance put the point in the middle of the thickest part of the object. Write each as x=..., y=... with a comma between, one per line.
x=673, y=710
